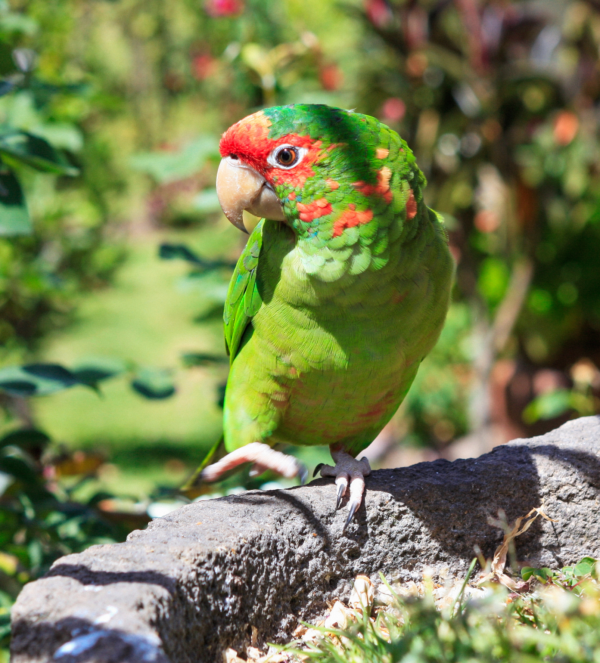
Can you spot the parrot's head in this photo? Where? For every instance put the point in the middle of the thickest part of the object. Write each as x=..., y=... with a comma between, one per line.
x=345, y=183
x=312, y=166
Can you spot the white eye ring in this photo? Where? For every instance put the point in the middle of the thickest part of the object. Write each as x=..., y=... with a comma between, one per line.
x=299, y=151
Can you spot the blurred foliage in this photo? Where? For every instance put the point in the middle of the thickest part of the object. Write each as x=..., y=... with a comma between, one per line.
x=435, y=405
x=42, y=274
x=110, y=114
x=500, y=104
x=44, y=379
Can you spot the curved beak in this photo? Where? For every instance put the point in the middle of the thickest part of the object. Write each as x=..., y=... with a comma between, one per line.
x=240, y=188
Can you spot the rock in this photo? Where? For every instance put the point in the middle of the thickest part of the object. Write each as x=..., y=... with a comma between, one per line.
x=202, y=578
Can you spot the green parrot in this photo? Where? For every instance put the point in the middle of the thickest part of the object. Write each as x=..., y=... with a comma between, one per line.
x=340, y=293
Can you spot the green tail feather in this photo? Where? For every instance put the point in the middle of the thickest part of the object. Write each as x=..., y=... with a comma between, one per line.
x=193, y=483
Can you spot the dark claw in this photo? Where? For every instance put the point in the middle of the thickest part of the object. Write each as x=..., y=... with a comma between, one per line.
x=340, y=494
x=302, y=474
x=353, y=506
x=317, y=468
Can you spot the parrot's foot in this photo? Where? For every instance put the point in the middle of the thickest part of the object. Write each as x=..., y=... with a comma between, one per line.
x=347, y=470
x=262, y=457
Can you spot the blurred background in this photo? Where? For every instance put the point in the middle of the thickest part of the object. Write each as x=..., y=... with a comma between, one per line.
x=115, y=256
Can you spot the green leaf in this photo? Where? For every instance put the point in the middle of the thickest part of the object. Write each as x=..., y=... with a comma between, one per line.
x=19, y=468
x=190, y=359
x=36, y=379
x=542, y=574
x=93, y=371
x=167, y=167
x=17, y=387
x=154, y=384
x=35, y=152
x=14, y=217
x=18, y=23
x=527, y=572
x=493, y=280
x=587, y=566
x=179, y=252
x=53, y=372
x=91, y=376
x=547, y=406
x=34, y=548
x=207, y=202
x=182, y=252
x=5, y=626
x=25, y=439
x=6, y=87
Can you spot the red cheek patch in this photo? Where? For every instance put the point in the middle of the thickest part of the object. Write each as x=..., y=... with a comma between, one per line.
x=249, y=140
x=314, y=210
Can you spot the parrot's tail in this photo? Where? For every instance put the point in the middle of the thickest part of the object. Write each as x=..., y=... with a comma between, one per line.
x=194, y=486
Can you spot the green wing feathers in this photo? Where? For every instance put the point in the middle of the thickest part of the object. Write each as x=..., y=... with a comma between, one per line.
x=243, y=299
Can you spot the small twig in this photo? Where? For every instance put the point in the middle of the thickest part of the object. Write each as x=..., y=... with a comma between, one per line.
x=511, y=305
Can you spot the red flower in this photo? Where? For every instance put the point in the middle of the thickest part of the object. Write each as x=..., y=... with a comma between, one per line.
x=330, y=77
x=221, y=8
x=378, y=12
x=393, y=109
x=203, y=65
x=566, y=125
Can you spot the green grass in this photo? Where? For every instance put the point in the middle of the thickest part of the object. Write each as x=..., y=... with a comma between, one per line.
x=553, y=617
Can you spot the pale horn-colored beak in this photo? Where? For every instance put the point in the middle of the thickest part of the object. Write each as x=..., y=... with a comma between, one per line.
x=240, y=188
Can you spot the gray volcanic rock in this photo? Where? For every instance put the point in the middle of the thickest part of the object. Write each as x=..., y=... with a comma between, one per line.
x=198, y=580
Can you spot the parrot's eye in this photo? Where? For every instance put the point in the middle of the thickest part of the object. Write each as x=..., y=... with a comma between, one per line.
x=286, y=156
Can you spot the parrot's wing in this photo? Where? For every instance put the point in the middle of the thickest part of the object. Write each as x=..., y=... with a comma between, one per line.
x=243, y=299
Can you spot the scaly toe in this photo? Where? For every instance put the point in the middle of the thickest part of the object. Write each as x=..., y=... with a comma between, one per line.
x=347, y=472
x=262, y=458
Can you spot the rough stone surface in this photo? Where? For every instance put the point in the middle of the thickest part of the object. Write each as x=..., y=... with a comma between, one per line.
x=197, y=580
